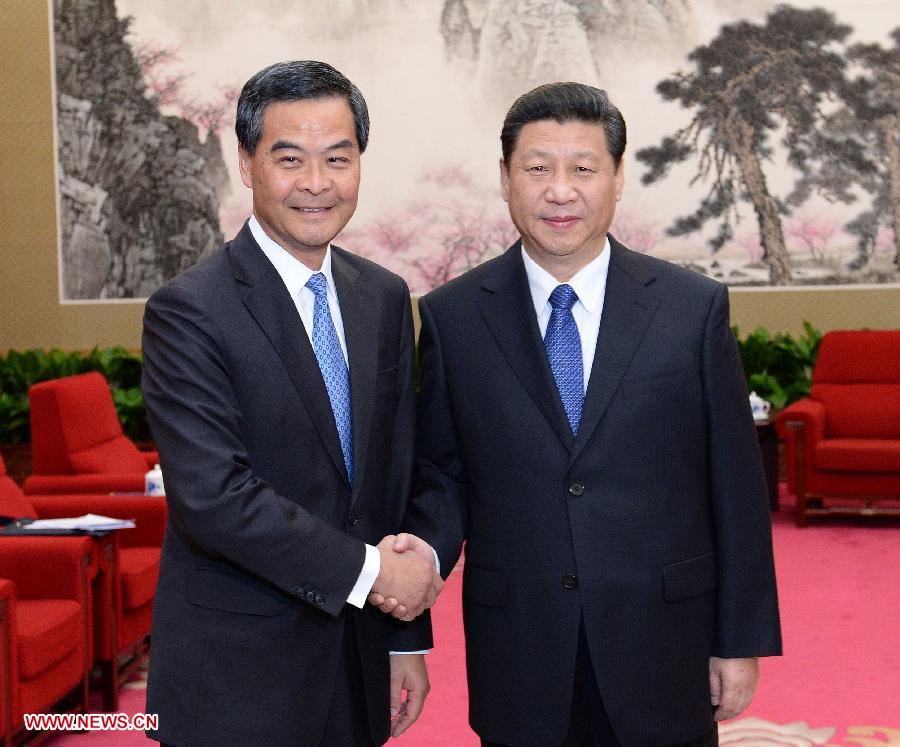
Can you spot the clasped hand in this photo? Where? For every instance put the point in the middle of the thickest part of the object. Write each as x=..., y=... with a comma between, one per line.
x=407, y=583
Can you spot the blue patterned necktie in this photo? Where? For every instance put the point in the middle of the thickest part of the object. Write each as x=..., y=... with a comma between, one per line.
x=563, y=345
x=333, y=367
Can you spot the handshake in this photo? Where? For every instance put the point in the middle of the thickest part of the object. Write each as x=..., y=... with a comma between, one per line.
x=408, y=582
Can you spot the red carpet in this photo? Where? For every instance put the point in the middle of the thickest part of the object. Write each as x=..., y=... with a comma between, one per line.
x=837, y=685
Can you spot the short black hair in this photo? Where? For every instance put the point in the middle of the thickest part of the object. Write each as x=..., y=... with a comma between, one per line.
x=293, y=81
x=565, y=102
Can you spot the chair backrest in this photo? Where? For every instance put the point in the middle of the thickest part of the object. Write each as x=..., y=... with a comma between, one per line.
x=75, y=429
x=857, y=378
x=12, y=501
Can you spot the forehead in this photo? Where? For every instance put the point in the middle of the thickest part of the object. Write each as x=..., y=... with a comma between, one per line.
x=326, y=117
x=561, y=138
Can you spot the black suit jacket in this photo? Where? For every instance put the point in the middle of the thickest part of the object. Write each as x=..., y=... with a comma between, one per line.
x=266, y=537
x=652, y=525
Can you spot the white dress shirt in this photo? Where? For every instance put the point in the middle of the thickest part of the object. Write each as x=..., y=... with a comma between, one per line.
x=589, y=284
x=295, y=275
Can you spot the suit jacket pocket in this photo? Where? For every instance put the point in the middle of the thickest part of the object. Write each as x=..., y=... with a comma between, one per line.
x=690, y=578
x=484, y=586
x=231, y=591
x=387, y=379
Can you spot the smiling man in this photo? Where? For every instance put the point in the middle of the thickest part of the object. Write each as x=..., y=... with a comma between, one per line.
x=278, y=377
x=585, y=428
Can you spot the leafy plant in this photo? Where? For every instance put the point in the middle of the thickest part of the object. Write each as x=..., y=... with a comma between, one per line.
x=779, y=367
x=20, y=369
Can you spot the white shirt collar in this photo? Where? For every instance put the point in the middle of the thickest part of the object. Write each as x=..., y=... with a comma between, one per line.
x=589, y=283
x=293, y=272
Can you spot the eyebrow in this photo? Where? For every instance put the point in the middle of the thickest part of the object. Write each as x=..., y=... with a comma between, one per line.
x=288, y=145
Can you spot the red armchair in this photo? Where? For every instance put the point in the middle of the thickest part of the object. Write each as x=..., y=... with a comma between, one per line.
x=843, y=441
x=77, y=443
x=129, y=560
x=45, y=626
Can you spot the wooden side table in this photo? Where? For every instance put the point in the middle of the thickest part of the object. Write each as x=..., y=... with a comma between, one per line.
x=768, y=447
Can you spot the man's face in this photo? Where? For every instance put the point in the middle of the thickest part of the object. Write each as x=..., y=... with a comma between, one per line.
x=304, y=174
x=562, y=187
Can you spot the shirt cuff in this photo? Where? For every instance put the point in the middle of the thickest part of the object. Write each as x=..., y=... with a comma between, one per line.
x=365, y=582
x=437, y=562
x=403, y=653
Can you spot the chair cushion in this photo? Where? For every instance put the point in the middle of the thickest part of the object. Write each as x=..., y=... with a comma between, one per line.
x=858, y=454
x=117, y=456
x=139, y=570
x=48, y=630
x=860, y=410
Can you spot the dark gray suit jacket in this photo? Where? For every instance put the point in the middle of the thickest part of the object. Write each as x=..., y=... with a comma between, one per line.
x=652, y=525
x=266, y=537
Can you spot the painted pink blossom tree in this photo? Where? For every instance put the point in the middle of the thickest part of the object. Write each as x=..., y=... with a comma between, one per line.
x=450, y=226
x=813, y=232
x=636, y=232
x=166, y=83
x=748, y=240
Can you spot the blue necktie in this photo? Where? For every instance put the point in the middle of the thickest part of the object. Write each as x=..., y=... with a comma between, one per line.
x=333, y=367
x=563, y=346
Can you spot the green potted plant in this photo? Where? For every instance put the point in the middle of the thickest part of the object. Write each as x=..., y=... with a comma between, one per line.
x=779, y=367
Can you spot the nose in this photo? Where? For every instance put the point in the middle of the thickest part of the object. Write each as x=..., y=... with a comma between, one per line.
x=560, y=189
x=314, y=179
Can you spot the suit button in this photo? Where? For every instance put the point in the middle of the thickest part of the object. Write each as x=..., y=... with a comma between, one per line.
x=320, y=600
x=311, y=597
x=576, y=489
x=570, y=582
x=353, y=520
x=300, y=592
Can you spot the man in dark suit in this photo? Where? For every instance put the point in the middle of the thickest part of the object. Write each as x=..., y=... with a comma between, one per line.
x=584, y=426
x=279, y=382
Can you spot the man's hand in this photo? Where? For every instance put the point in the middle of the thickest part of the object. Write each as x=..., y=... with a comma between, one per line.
x=408, y=673
x=731, y=684
x=406, y=542
x=407, y=583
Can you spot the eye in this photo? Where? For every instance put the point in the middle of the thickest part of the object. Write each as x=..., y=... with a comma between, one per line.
x=584, y=170
x=538, y=169
x=289, y=160
x=340, y=160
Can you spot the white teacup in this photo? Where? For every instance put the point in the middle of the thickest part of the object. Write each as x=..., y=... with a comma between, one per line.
x=759, y=407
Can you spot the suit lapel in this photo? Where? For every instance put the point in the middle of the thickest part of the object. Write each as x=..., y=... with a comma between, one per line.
x=507, y=308
x=359, y=311
x=268, y=300
x=628, y=307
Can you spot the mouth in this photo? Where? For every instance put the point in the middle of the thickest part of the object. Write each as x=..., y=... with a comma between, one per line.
x=560, y=222
x=311, y=210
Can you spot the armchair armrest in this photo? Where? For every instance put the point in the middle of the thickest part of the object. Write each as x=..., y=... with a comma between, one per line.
x=802, y=426
x=808, y=412
x=150, y=513
x=94, y=483
x=48, y=567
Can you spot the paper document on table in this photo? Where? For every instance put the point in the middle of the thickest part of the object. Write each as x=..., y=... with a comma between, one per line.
x=87, y=522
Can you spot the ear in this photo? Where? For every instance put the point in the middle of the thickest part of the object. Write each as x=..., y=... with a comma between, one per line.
x=620, y=179
x=504, y=180
x=244, y=162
